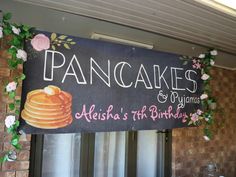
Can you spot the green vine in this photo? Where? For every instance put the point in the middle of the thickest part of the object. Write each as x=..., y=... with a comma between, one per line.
x=205, y=116
x=15, y=35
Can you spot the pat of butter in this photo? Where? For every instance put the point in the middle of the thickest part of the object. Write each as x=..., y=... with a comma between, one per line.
x=49, y=91
x=52, y=90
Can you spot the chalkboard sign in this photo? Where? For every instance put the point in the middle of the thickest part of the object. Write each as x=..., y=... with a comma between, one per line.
x=83, y=85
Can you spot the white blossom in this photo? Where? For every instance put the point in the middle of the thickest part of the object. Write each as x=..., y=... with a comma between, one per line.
x=201, y=56
x=11, y=86
x=213, y=52
x=10, y=120
x=203, y=96
x=15, y=30
x=212, y=62
x=1, y=33
x=21, y=54
x=205, y=77
x=206, y=138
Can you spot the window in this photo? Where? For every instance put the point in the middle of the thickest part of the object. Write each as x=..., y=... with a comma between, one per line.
x=102, y=154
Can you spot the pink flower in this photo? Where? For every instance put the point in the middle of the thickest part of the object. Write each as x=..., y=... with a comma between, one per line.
x=198, y=65
x=11, y=86
x=184, y=120
x=194, y=117
x=199, y=112
x=205, y=77
x=194, y=61
x=21, y=54
x=9, y=121
x=203, y=96
x=40, y=42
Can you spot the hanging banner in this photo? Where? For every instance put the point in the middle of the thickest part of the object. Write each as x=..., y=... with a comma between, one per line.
x=81, y=85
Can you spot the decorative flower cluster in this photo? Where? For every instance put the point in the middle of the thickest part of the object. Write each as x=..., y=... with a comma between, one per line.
x=204, y=62
x=15, y=35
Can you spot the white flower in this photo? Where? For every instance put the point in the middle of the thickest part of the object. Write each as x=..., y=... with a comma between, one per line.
x=212, y=62
x=1, y=33
x=15, y=30
x=201, y=56
x=11, y=86
x=205, y=77
x=214, y=52
x=207, y=119
x=9, y=121
x=11, y=156
x=21, y=54
x=206, y=138
x=203, y=96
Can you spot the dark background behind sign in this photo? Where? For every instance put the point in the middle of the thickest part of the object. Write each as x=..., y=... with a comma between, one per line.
x=99, y=93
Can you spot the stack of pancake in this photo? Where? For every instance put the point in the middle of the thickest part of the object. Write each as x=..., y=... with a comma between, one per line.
x=48, y=108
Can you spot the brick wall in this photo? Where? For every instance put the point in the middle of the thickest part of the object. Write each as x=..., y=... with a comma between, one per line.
x=190, y=152
x=20, y=167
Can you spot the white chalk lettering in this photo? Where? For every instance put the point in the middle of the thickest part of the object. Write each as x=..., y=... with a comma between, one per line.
x=106, y=77
x=121, y=83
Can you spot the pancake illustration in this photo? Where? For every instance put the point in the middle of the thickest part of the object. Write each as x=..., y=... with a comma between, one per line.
x=48, y=108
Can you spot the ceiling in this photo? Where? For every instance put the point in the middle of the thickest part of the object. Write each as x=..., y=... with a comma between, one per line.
x=171, y=25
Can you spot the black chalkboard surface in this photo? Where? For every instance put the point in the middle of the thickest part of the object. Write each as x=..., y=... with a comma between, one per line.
x=84, y=85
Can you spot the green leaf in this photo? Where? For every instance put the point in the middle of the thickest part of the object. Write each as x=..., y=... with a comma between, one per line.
x=66, y=46
x=12, y=50
x=15, y=140
x=17, y=146
x=17, y=112
x=22, y=77
x=62, y=37
x=72, y=43
x=7, y=16
x=17, y=102
x=11, y=106
x=185, y=62
x=53, y=47
x=3, y=159
x=17, y=123
x=53, y=36
x=26, y=27
x=12, y=94
x=16, y=42
x=6, y=31
x=69, y=40
x=12, y=64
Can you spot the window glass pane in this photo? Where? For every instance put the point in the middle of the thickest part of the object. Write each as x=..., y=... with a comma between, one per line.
x=109, y=158
x=150, y=156
x=61, y=155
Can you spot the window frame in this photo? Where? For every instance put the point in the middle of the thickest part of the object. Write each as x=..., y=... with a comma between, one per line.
x=87, y=154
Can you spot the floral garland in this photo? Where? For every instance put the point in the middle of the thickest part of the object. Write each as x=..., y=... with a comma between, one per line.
x=204, y=116
x=19, y=33
x=16, y=36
